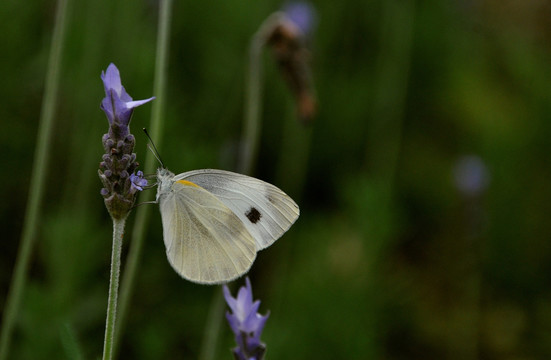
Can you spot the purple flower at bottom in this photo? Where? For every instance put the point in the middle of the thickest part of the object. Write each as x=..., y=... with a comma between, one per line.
x=246, y=323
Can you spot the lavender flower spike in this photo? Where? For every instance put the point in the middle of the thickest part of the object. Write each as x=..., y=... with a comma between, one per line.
x=246, y=323
x=117, y=170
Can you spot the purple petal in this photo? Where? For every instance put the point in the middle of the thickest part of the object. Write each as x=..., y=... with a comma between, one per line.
x=245, y=298
x=234, y=323
x=124, y=95
x=249, y=323
x=112, y=80
x=249, y=287
x=122, y=112
x=302, y=14
x=254, y=322
x=140, y=180
x=229, y=299
x=107, y=108
x=253, y=308
x=261, y=323
x=133, y=104
x=137, y=182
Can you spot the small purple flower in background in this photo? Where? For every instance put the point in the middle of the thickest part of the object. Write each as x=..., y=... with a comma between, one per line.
x=301, y=14
x=246, y=323
x=117, y=170
x=471, y=176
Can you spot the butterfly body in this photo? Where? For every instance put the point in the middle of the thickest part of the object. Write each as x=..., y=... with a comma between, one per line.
x=215, y=221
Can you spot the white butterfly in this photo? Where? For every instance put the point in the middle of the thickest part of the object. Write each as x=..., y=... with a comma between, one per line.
x=215, y=221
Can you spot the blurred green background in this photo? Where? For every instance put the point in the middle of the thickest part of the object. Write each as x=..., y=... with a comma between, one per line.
x=389, y=258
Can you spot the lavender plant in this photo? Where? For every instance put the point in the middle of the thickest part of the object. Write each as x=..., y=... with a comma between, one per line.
x=120, y=179
x=117, y=170
x=246, y=323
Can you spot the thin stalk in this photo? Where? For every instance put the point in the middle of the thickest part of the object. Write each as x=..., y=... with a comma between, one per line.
x=118, y=232
x=292, y=170
x=156, y=129
x=384, y=143
x=70, y=343
x=294, y=155
x=211, y=334
x=253, y=106
x=464, y=339
x=38, y=179
x=383, y=148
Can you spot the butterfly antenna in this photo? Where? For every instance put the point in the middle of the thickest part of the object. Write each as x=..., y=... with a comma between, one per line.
x=153, y=148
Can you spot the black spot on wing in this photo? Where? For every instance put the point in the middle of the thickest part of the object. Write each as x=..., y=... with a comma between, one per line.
x=253, y=215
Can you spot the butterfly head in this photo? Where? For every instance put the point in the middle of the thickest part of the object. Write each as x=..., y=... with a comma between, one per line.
x=164, y=180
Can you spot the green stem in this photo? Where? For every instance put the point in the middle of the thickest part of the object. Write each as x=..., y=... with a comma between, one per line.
x=38, y=177
x=211, y=333
x=70, y=343
x=383, y=148
x=118, y=232
x=252, y=125
x=384, y=143
x=155, y=129
x=294, y=155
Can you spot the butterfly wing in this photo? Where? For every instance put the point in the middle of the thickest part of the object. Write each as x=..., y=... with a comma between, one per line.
x=266, y=211
x=205, y=241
